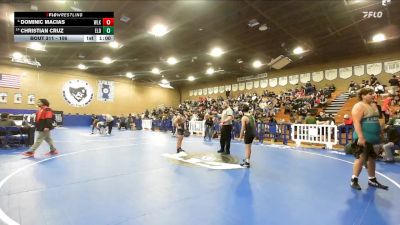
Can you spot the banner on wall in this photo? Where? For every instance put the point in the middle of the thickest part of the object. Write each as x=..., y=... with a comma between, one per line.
x=235, y=87
x=77, y=93
x=256, y=84
x=210, y=91
x=194, y=92
x=191, y=93
x=305, y=77
x=345, y=72
x=242, y=86
x=31, y=99
x=228, y=87
x=392, y=66
x=374, y=68
x=204, y=91
x=215, y=90
x=199, y=91
x=273, y=82
x=105, y=91
x=331, y=74
x=318, y=76
x=17, y=98
x=249, y=85
x=3, y=97
x=283, y=81
x=294, y=79
x=359, y=70
x=221, y=89
x=263, y=83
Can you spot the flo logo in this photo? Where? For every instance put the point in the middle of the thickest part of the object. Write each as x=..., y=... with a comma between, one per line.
x=372, y=14
x=77, y=93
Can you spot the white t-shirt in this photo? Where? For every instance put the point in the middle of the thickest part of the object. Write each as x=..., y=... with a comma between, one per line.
x=227, y=112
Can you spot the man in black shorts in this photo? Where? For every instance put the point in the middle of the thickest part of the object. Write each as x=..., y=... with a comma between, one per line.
x=249, y=132
x=179, y=123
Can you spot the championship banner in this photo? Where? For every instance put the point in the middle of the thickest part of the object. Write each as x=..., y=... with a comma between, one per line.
x=228, y=87
x=264, y=83
x=31, y=99
x=283, y=81
x=374, y=68
x=235, y=87
x=210, y=91
x=221, y=89
x=318, y=76
x=17, y=98
x=204, y=91
x=345, y=72
x=249, y=85
x=331, y=74
x=359, y=70
x=77, y=93
x=294, y=79
x=305, y=77
x=194, y=92
x=105, y=91
x=392, y=66
x=242, y=86
x=256, y=84
x=215, y=90
x=273, y=82
x=191, y=93
x=200, y=92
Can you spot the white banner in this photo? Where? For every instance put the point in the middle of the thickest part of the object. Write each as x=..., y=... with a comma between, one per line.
x=294, y=79
x=264, y=83
x=204, y=91
x=194, y=92
x=200, y=92
x=359, y=70
x=305, y=77
x=235, y=87
x=105, y=91
x=331, y=74
x=249, y=85
x=242, y=86
x=374, y=68
x=31, y=99
x=392, y=66
x=318, y=76
x=256, y=84
x=191, y=93
x=210, y=91
x=215, y=90
x=283, y=81
x=273, y=82
x=17, y=98
x=345, y=72
x=221, y=89
x=228, y=87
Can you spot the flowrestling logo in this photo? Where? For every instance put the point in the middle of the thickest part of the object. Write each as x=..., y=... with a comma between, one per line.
x=77, y=93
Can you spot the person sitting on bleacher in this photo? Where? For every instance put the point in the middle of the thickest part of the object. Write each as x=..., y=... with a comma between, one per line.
x=5, y=121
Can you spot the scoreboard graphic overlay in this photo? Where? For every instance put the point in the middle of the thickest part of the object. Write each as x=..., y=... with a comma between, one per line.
x=64, y=26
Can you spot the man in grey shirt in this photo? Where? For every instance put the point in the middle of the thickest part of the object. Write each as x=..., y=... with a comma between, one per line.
x=226, y=128
x=5, y=121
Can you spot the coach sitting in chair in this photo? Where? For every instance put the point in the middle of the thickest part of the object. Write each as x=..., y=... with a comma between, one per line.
x=5, y=121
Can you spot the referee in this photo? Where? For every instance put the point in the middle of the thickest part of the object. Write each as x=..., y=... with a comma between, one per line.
x=226, y=128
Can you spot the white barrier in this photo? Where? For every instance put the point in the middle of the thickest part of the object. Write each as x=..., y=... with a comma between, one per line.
x=197, y=126
x=313, y=133
x=146, y=124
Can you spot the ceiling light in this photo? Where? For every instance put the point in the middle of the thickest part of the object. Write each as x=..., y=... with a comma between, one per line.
x=298, y=50
x=155, y=71
x=172, y=61
x=76, y=9
x=164, y=81
x=253, y=23
x=191, y=78
x=257, y=64
x=82, y=67
x=34, y=8
x=210, y=71
x=115, y=44
x=37, y=46
x=378, y=37
x=239, y=61
x=159, y=30
x=107, y=60
x=216, y=52
x=17, y=55
x=263, y=27
x=60, y=1
x=125, y=19
x=130, y=75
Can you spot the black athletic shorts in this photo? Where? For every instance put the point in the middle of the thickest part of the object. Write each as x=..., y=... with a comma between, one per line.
x=179, y=131
x=248, y=139
x=368, y=150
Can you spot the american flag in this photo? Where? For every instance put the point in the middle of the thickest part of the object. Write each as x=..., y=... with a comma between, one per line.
x=10, y=81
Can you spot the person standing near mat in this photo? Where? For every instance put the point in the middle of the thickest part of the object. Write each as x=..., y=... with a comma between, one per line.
x=44, y=124
x=367, y=133
x=179, y=123
x=248, y=131
x=226, y=128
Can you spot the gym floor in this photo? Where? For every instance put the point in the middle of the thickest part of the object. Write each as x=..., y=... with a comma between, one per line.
x=125, y=179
